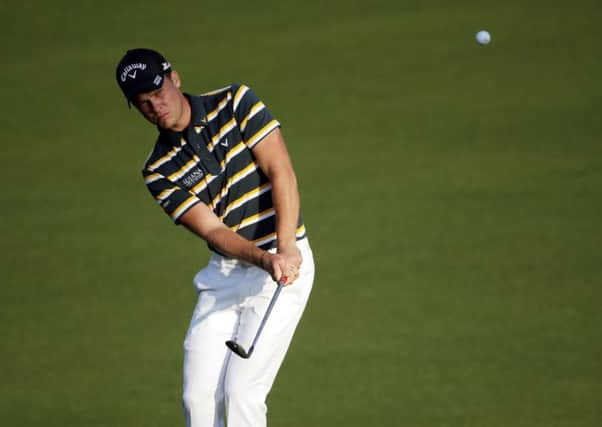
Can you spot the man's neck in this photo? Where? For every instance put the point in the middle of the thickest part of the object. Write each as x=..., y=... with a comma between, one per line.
x=185, y=117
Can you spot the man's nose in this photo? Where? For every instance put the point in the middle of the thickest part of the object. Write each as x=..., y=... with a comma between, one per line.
x=154, y=104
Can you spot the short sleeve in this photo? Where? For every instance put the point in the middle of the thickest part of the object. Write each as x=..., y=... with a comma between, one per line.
x=174, y=200
x=254, y=119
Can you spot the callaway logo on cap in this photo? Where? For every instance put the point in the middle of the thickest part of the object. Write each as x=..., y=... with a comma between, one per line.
x=141, y=70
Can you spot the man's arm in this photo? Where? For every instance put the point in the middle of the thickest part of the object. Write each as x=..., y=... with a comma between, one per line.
x=273, y=159
x=204, y=223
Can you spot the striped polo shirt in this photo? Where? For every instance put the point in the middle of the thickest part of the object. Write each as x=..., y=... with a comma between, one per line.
x=212, y=162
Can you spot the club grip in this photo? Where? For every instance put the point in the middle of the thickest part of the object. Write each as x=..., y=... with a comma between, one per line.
x=283, y=280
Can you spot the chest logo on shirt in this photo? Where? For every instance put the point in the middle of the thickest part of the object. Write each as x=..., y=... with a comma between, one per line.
x=192, y=177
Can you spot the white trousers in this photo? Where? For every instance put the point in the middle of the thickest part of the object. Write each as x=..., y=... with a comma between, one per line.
x=220, y=388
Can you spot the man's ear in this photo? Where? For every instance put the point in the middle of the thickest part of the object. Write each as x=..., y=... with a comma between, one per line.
x=175, y=78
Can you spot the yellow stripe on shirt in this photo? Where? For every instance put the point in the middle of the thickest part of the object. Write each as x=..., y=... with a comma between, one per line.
x=183, y=207
x=233, y=180
x=238, y=96
x=272, y=236
x=245, y=198
x=256, y=109
x=213, y=114
x=262, y=133
x=254, y=219
x=223, y=130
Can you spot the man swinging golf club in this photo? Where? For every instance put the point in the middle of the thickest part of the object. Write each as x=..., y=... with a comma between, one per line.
x=220, y=167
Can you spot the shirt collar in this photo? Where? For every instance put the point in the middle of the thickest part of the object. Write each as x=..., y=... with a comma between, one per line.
x=198, y=114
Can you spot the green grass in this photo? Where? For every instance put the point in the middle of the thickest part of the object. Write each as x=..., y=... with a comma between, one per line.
x=451, y=193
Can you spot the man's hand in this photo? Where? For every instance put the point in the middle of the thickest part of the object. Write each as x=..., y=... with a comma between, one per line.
x=293, y=259
x=283, y=264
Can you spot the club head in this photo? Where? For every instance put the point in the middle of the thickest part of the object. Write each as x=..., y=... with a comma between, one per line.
x=238, y=349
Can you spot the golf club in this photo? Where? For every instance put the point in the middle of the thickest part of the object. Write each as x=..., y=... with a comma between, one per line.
x=237, y=348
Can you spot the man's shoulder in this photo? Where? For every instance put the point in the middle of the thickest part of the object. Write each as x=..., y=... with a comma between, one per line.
x=219, y=99
x=221, y=90
x=229, y=92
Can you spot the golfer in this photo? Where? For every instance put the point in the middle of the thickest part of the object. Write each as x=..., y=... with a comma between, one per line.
x=220, y=167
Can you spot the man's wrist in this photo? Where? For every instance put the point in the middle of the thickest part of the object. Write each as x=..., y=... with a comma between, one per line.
x=262, y=259
x=287, y=245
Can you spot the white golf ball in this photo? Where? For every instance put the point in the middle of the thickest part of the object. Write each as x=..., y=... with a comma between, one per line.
x=483, y=37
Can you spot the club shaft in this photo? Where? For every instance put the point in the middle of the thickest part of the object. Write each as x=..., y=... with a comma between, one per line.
x=235, y=347
x=266, y=315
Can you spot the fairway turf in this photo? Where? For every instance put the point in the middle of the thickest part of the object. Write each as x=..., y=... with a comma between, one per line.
x=451, y=193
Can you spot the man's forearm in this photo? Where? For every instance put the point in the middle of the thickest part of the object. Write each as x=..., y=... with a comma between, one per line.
x=202, y=221
x=231, y=244
x=272, y=156
x=285, y=197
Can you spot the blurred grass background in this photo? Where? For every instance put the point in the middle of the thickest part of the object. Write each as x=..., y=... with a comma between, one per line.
x=451, y=193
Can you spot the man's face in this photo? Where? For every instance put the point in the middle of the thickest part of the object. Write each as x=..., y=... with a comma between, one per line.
x=164, y=107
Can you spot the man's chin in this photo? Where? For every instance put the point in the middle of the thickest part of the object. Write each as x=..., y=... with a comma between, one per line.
x=164, y=124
